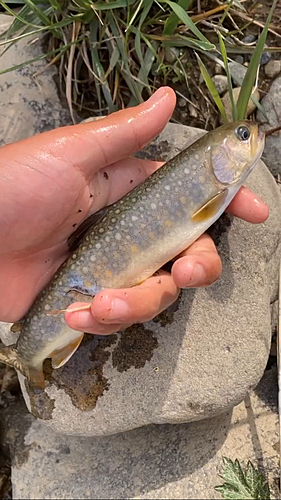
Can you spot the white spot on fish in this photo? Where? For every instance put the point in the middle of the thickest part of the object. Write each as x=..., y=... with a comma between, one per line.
x=179, y=183
x=113, y=220
x=85, y=270
x=134, y=218
x=186, y=171
x=47, y=307
x=74, y=256
x=122, y=222
x=93, y=258
x=167, y=187
x=117, y=211
x=101, y=230
x=153, y=206
x=60, y=283
x=107, y=239
x=118, y=236
x=98, y=245
x=197, y=157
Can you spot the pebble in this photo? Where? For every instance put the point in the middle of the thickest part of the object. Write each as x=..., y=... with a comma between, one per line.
x=239, y=59
x=227, y=103
x=171, y=54
x=273, y=68
x=237, y=72
x=221, y=83
x=182, y=102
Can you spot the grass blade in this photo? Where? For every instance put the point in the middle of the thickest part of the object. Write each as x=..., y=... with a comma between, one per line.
x=172, y=21
x=225, y=60
x=250, y=75
x=212, y=88
x=184, y=17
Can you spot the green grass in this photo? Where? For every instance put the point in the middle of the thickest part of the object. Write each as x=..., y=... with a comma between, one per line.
x=118, y=47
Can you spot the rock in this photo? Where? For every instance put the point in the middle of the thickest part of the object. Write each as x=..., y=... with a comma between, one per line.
x=237, y=72
x=29, y=105
x=272, y=106
x=171, y=54
x=194, y=361
x=266, y=56
x=239, y=59
x=157, y=461
x=249, y=39
x=218, y=69
x=221, y=83
x=227, y=102
x=273, y=68
x=182, y=102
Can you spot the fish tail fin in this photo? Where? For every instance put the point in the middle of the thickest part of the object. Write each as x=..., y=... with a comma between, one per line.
x=10, y=356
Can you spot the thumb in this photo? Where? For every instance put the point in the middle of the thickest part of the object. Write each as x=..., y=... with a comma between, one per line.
x=94, y=145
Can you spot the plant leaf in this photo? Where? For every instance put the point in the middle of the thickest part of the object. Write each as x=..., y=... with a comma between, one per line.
x=225, y=60
x=184, y=17
x=240, y=485
x=172, y=21
x=251, y=73
x=212, y=88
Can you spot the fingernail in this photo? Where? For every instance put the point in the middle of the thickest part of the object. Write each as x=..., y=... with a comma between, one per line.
x=159, y=93
x=198, y=276
x=119, y=310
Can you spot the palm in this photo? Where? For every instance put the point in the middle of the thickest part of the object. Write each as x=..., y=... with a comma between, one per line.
x=45, y=197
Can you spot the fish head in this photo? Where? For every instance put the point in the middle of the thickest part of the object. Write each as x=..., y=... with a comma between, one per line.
x=235, y=150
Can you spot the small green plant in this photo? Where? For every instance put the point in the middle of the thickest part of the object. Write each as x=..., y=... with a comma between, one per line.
x=239, y=109
x=249, y=484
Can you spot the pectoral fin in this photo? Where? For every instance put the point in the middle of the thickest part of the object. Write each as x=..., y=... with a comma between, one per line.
x=209, y=209
x=61, y=356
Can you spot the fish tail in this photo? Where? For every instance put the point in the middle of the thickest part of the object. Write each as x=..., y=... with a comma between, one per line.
x=10, y=356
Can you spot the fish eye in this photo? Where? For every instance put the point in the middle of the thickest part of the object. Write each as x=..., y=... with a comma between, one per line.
x=243, y=133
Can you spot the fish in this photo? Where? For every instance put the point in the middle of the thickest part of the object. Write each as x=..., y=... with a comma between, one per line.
x=130, y=240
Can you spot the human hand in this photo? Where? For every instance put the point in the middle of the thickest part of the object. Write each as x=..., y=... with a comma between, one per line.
x=50, y=183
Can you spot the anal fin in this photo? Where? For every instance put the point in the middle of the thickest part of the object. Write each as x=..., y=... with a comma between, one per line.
x=61, y=356
x=210, y=208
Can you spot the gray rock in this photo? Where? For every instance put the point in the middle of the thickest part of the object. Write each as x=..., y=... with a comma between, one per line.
x=194, y=361
x=239, y=59
x=265, y=58
x=171, y=54
x=228, y=107
x=29, y=104
x=237, y=72
x=164, y=461
x=273, y=68
x=272, y=106
x=221, y=83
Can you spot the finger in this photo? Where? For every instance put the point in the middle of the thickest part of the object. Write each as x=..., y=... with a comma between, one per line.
x=91, y=146
x=83, y=321
x=199, y=265
x=127, y=306
x=248, y=206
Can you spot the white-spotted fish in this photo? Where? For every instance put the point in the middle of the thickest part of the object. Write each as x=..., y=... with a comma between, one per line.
x=135, y=237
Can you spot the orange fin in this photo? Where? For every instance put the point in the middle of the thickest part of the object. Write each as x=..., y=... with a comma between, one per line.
x=10, y=356
x=61, y=356
x=209, y=209
x=16, y=327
